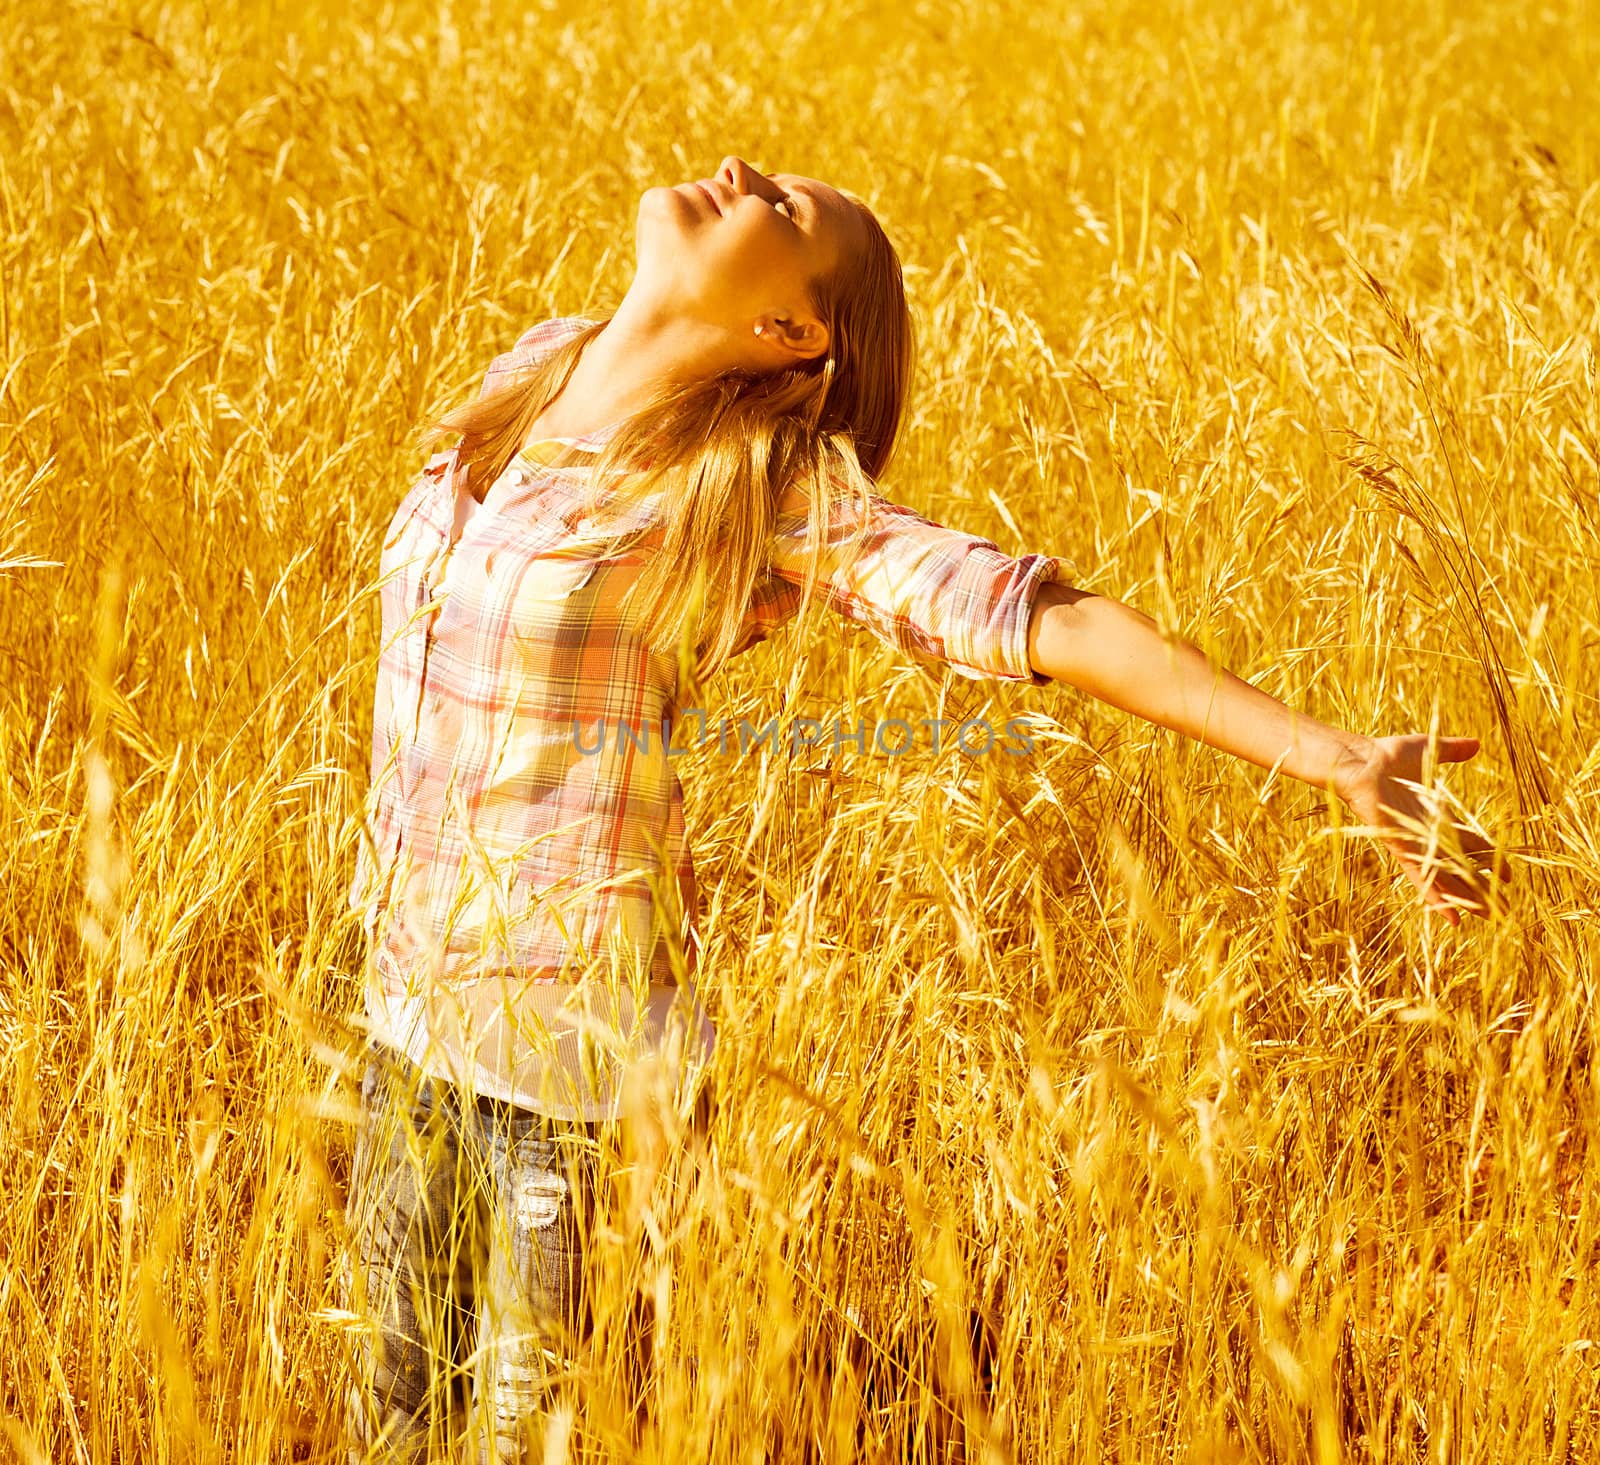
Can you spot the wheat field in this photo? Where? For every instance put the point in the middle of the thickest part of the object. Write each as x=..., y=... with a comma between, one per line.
x=1124, y=1060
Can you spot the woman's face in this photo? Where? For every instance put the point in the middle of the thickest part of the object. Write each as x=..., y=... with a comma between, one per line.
x=740, y=248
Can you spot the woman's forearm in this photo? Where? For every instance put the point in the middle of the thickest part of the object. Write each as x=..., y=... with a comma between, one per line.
x=1119, y=655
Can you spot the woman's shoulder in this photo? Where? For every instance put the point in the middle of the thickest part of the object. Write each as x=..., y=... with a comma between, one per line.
x=550, y=333
x=535, y=343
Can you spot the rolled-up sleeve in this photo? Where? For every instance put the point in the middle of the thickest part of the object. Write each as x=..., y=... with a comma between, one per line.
x=927, y=590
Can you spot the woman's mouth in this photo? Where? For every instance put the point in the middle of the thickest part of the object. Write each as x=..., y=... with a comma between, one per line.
x=710, y=197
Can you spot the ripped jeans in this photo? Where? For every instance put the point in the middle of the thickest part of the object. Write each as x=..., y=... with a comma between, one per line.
x=467, y=1221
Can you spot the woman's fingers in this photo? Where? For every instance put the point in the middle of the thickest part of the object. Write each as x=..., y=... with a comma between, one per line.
x=1449, y=904
x=1481, y=855
x=1462, y=857
x=1447, y=858
x=1464, y=896
x=1457, y=750
x=1433, y=896
x=1486, y=859
x=1449, y=892
x=1444, y=887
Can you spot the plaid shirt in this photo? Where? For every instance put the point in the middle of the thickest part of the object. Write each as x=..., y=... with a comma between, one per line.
x=496, y=844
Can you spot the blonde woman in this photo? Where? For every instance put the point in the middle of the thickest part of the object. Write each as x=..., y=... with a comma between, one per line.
x=632, y=501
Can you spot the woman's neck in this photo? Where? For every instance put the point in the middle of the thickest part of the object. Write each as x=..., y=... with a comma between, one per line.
x=642, y=350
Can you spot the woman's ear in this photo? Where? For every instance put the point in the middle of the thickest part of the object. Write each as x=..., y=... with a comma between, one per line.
x=803, y=339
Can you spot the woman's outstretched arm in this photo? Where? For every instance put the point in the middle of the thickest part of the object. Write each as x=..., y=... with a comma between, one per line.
x=1120, y=656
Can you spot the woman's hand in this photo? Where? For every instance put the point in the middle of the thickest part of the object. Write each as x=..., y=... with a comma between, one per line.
x=1382, y=780
x=1118, y=654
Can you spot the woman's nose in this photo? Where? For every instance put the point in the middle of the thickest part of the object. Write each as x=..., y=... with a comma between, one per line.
x=740, y=175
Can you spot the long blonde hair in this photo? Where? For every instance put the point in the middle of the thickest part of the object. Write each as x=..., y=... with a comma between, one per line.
x=714, y=458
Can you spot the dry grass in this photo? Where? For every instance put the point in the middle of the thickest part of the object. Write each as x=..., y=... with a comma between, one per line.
x=1279, y=322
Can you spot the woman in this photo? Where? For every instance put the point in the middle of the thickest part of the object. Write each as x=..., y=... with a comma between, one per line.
x=632, y=502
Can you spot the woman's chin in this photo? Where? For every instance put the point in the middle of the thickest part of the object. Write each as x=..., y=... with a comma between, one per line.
x=666, y=196
x=667, y=222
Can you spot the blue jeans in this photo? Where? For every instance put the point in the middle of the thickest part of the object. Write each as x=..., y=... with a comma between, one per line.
x=468, y=1220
